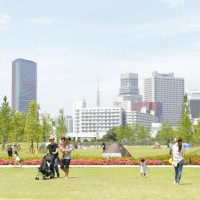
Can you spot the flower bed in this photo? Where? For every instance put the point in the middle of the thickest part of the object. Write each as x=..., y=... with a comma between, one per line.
x=110, y=161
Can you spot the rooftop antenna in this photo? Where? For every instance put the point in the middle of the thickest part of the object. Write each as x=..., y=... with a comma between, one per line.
x=98, y=93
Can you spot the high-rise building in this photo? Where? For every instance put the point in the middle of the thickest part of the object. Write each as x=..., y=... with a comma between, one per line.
x=69, y=123
x=194, y=103
x=24, y=84
x=168, y=90
x=129, y=89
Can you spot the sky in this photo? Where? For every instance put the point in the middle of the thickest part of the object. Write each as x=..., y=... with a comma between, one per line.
x=76, y=42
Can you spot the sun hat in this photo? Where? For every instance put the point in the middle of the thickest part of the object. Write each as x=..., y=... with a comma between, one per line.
x=52, y=137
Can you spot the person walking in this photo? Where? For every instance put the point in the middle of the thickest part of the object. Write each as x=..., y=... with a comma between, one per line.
x=10, y=151
x=170, y=145
x=66, y=150
x=16, y=158
x=52, y=149
x=103, y=145
x=178, y=153
x=143, y=167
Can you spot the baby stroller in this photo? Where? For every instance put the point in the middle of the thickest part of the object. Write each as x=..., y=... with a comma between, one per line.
x=45, y=167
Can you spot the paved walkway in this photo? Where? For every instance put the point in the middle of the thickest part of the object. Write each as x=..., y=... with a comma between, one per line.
x=102, y=166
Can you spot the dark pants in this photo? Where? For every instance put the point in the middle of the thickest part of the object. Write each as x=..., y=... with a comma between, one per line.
x=54, y=166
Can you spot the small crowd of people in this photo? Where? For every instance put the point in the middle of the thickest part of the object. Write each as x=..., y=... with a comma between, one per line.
x=65, y=148
x=12, y=151
x=61, y=153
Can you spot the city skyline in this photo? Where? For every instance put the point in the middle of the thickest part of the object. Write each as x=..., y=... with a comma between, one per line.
x=74, y=43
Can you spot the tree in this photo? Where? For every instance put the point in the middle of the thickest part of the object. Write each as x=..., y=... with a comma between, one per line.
x=46, y=126
x=143, y=134
x=134, y=130
x=110, y=135
x=18, y=121
x=119, y=133
x=124, y=133
x=5, y=119
x=32, y=131
x=61, y=128
x=166, y=133
x=197, y=131
x=185, y=127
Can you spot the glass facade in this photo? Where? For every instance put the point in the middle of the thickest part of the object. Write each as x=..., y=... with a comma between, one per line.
x=24, y=84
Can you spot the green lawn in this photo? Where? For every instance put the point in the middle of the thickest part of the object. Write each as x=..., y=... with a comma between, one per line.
x=136, y=151
x=100, y=183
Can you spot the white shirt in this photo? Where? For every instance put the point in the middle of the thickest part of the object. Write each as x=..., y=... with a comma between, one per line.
x=143, y=167
x=177, y=156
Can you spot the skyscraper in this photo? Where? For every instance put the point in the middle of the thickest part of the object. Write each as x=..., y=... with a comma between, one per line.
x=24, y=84
x=194, y=103
x=129, y=89
x=168, y=90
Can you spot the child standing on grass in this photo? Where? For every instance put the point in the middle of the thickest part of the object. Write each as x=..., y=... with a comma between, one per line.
x=143, y=167
x=16, y=158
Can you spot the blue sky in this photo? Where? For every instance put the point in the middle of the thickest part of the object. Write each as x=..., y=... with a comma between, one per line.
x=75, y=42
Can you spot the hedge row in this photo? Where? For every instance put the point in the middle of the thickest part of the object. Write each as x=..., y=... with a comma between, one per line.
x=109, y=161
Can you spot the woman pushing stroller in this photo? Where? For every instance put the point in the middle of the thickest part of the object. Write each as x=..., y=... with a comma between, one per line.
x=53, y=149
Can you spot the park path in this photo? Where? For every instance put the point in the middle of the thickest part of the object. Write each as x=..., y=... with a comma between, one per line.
x=102, y=166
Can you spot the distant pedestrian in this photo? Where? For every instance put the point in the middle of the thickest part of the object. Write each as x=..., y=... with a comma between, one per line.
x=143, y=167
x=16, y=158
x=9, y=151
x=178, y=153
x=103, y=145
x=170, y=145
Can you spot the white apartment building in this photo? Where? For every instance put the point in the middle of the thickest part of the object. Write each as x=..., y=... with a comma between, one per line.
x=95, y=122
x=168, y=90
x=135, y=117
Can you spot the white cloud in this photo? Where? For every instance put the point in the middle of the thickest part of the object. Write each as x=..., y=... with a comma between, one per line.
x=42, y=21
x=174, y=3
x=165, y=28
x=48, y=21
x=4, y=20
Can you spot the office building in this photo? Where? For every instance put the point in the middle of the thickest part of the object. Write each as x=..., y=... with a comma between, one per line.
x=154, y=108
x=24, y=84
x=194, y=103
x=129, y=89
x=120, y=102
x=69, y=123
x=168, y=90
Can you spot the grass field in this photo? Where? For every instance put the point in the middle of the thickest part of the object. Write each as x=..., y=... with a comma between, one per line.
x=100, y=184
x=136, y=151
